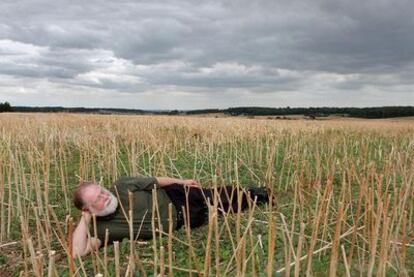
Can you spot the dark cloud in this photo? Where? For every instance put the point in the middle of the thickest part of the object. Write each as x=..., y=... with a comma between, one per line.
x=316, y=49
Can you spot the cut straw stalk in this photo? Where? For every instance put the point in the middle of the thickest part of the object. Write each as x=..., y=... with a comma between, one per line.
x=116, y=254
x=240, y=251
x=252, y=255
x=154, y=230
x=187, y=225
x=170, y=240
x=288, y=254
x=51, y=265
x=292, y=251
x=348, y=274
x=335, y=242
x=37, y=270
x=216, y=202
x=70, y=247
x=271, y=245
x=105, y=260
x=385, y=243
x=162, y=260
x=299, y=249
x=211, y=225
x=131, y=261
x=96, y=260
x=374, y=238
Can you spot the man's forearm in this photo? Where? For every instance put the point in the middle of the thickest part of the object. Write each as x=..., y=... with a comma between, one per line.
x=166, y=181
x=80, y=237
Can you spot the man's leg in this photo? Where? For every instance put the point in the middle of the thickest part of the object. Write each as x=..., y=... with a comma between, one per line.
x=228, y=198
x=193, y=201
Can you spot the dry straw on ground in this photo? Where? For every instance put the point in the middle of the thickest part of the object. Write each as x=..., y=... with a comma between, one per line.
x=344, y=191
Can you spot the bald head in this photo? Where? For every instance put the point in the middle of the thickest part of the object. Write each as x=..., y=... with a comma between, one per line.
x=90, y=196
x=78, y=197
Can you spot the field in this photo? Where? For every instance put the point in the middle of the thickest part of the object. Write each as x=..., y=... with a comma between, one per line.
x=344, y=190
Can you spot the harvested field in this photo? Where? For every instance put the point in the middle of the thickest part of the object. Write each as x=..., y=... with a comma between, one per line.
x=344, y=190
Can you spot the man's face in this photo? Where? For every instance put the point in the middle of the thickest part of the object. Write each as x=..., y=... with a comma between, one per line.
x=99, y=200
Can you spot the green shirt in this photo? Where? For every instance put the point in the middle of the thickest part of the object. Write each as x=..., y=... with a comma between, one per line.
x=141, y=188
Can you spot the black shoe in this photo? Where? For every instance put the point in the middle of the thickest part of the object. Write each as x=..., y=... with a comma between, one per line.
x=261, y=194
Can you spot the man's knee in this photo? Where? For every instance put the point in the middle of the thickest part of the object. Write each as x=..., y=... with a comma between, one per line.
x=95, y=243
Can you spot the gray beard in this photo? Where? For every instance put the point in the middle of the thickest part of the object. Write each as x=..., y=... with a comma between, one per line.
x=110, y=207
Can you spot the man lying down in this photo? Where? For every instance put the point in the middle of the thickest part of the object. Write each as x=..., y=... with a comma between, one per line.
x=111, y=207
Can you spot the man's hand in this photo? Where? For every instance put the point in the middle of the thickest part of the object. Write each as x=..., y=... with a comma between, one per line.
x=87, y=216
x=82, y=244
x=191, y=183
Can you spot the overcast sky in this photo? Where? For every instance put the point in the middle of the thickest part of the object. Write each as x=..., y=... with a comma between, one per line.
x=207, y=54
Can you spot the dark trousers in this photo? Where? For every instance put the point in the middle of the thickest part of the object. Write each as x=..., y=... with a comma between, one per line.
x=196, y=205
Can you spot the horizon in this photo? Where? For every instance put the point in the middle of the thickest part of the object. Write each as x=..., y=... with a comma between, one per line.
x=226, y=108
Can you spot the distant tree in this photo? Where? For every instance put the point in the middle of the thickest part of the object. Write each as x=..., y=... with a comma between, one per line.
x=174, y=112
x=5, y=107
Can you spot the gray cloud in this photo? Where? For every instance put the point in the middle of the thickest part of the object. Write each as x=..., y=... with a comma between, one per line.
x=226, y=53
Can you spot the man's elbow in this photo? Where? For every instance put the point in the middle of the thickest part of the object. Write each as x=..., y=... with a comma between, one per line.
x=92, y=244
x=80, y=251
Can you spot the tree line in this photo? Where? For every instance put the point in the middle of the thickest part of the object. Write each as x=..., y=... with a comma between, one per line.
x=370, y=112
x=312, y=112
